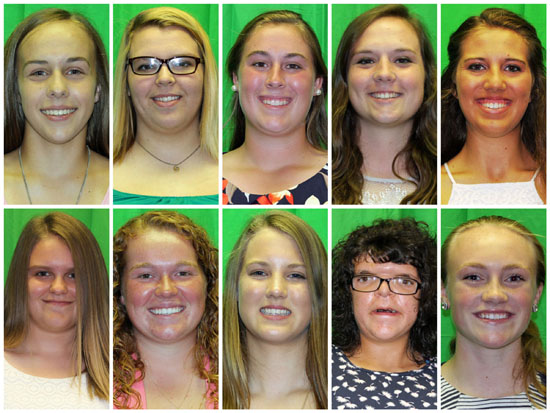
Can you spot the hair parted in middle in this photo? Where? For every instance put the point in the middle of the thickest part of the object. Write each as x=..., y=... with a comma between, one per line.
x=533, y=123
x=420, y=152
x=126, y=358
x=91, y=345
x=97, y=137
x=403, y=241
x=236, y=394
x=316, y=120
x=125, y=129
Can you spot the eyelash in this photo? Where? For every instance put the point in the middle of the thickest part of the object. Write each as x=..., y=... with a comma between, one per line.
x=477, y=67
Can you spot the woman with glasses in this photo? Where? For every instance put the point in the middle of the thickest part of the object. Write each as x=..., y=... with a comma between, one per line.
x=166, y=122
x=384, y=317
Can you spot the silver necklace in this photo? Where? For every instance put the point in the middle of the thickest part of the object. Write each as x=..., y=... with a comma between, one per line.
x=27, y=186
x=175, y=166
x=176, y=404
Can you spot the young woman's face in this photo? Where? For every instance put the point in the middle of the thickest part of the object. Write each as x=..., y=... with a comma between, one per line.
x=164, y=102
x=381, y=315
x=491, y=285
x=276, y=80
x=56, y=75
x=52, y=286
x=274, y=295
x=493, y=81
x=386, y=73
x=163, y=287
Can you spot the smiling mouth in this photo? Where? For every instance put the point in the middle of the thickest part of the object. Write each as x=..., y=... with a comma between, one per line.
x=167, y=311
x=166, y=98
x=494, y=104
x=275, y=101
x=493, y=316
x=57, y=112
x=385, y=95
x=284, y=312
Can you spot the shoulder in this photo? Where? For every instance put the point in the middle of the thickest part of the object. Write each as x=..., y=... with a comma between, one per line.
x=446, y=186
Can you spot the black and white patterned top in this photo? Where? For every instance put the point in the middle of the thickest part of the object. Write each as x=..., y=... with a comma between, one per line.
x=358, y=388
x=451, y=398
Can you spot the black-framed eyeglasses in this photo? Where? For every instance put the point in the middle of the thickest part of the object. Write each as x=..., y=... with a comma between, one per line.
x=397, y=285
x=177, y=65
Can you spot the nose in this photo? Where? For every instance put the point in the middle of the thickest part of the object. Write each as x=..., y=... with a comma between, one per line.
x=494, y=292
x=58, y=285
x=57, y=86
x=164, y=76
x=276, y=286
x=384, y=71
x=166, y=286
x=494, y=79
x=384, y=289
x=275, y=77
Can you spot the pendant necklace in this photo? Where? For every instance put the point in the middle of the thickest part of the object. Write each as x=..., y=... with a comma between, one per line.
x=175, y=166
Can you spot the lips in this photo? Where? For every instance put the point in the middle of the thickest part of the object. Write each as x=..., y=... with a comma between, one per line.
x=167, y=310
x=58, y=114
x=58, y=302
x=275, y=101
x=494, y=315
x=385, y=311
x=275, y=312
x=492, y=104
x=385, y=95
x=169, y=98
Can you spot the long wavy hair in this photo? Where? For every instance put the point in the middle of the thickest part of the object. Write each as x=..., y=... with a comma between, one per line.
x=128, y=366
x=420, y=152
x=533, y=356
x=403, y=241
x=236, y=394
x=125, y=130
x=316, y=119
x=97, y=137
x=91, y=345
x=533, y=123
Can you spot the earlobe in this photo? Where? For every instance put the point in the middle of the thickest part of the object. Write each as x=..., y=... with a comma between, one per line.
x=97, y=93
x=319, y=84
x=235, y=85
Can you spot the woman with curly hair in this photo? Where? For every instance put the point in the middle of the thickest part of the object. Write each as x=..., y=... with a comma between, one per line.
x=493, y=271
x=384, y=121
x=493, y=113
x=275, y=317
x=384, y=323
x=165, y=314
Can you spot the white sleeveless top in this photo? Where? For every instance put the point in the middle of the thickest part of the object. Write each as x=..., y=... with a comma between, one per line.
x=382, y=191
x=503, y=193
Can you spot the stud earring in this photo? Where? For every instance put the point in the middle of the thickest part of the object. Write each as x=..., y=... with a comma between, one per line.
x=445, y=306
x=234, y=88
x=318, y=92
x=535, y=308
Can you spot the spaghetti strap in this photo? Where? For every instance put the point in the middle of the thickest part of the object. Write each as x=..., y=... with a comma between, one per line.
x=449, y=173
x=535, y=175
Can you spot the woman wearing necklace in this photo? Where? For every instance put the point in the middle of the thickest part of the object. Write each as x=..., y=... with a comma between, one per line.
x=165, y=314
x=56, y=120
x=166, y=123
x=277, y=153
x=275, y=317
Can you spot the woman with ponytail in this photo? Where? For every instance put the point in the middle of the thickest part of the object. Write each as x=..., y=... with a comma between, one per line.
x=493, y=271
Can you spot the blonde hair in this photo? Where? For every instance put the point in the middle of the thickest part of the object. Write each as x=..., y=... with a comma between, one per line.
x=533, y=357
x=91, y=346
x=236, y=394
x=125, y=352
x=125, y=116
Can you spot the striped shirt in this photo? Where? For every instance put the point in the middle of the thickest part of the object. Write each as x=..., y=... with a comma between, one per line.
x=451, y=398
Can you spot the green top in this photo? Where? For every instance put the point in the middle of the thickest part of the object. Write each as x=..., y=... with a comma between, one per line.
x=124, y=198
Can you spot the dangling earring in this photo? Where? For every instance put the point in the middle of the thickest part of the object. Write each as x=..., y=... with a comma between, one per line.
x=444, y=306
x=234, y=88
x=535, y=308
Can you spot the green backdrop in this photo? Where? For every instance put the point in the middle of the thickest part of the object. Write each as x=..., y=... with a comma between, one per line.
x=235, y=220
x=453, y=15
x=206, y=218
x=533, y=219
x=97, y=220
x=206, y=15
x=97, y=15
x=236, y=16
x=343, y=14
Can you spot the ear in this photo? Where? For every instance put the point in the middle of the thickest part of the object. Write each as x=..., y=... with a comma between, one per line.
x=318, y=83
x=539, y=293
x=122, y=300
x=97, y=93
x=235, y=79
x=444, y=296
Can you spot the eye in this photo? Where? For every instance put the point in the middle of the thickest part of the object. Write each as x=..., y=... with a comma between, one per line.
x=184, y=273
x=257, y=273
x=293, y=66
x=366, y=278
x=513, y=68
x=363, y=61
x=296, y=276
x=42, y=274
x=145, y=276
x=38, y=73
x=403, y=60
x=71, y=275
x=259, y=65
x=405, y=281
x=75, y=72
x=516, y=278
x=476, y=67
x=472, y=277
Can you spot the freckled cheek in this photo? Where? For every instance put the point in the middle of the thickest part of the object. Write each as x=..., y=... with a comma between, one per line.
x=136, y=295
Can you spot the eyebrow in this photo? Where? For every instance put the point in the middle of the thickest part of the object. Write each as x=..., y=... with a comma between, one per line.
x=484, y=267
x=509, y=59
x=265, y=263
x=46, y=267
x=287, y=56
x=150, y=265
x=400, y=50
x=45, y=62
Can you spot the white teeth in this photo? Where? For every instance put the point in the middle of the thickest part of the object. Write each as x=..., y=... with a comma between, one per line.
x=57, y=112
x=493, y=316
x=275, y=311
x=276, y=102
x=493, y=105
x=385, y=95
x=166, y=311
x=166, y=98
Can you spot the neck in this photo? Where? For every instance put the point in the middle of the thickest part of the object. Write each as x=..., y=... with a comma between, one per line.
x=163, y=358
x=277, y=369
x=50, y=344
x=373, y=355
x=379, y=146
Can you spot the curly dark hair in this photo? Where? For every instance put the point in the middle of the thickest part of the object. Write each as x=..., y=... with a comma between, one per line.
x=403, y=241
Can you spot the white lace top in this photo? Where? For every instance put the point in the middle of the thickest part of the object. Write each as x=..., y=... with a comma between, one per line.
x=23, y=391
x=382, y=191
x=503, y=193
